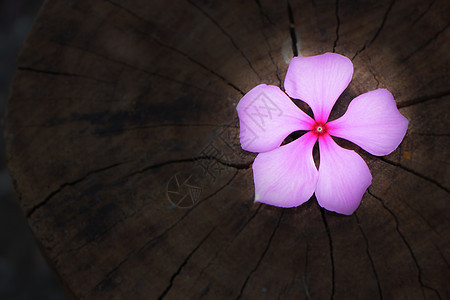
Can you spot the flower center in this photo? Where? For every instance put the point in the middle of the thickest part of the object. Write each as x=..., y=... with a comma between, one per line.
x=319, y=128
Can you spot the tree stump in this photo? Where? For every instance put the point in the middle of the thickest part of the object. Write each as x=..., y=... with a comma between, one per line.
x=122, y=144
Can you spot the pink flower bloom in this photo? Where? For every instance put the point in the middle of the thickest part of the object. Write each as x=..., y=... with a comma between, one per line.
x=286, y=176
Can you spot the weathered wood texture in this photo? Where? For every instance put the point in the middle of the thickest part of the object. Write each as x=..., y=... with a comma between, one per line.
x=114, y=100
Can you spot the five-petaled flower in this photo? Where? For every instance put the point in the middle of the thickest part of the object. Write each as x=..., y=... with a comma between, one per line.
x=286, y=176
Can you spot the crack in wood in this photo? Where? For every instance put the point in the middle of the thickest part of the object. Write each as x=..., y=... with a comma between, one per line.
x=276, y=70
x=245, y=225
x=127, y=11
x=158, y=165
x=179, y=51
x=292, y=28
x=211, y=261
x=338, y=21
x=165, y=232
x=427, y=43
x=188, y=212
x=431, y=134
x=264, y=16
x=304, y=280
x=360, y=50
x=372, y=72
x=226, y=34
x=374, y=77
x=420, y=216
x=385, y=17
x=240, y=166
x=261, y=257
x=222, y=187
x=197, y=63
x=369, y=256
x=101, y=234
x=29, y=69
x=411, y=252
x=191, y=159
x=191, y=210
x=424, y=13
x=283, y=291
x=305, y=272
x=423, y=99
x=442, y=256
x=186, y=260
x=165, y=125
x=330, y=243
x=377, y=33
x=295, y=280
x=71, y=183
x=149, y=73
x=413, y=172
x=104, y=282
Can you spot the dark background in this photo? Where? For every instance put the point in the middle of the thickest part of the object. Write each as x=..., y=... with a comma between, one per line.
x=23, y=272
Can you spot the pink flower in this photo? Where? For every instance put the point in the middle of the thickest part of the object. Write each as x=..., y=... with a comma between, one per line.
x=286, y=176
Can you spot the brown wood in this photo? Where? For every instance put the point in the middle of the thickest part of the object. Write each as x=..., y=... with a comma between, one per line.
x=114, y=101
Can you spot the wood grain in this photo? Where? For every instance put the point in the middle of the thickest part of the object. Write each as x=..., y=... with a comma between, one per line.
x=114, y=103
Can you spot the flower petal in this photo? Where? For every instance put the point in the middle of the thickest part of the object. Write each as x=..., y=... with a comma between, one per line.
x=286, y=176
x=373, y=122
x=343, y=177
x=319, y=81
x=266, y=117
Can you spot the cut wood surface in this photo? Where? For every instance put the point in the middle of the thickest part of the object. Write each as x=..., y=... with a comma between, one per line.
x=122, y=144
